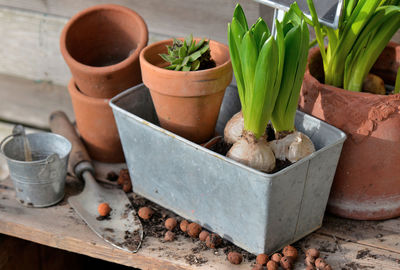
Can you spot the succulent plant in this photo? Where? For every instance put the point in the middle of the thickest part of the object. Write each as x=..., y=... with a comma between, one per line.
x=188, y=55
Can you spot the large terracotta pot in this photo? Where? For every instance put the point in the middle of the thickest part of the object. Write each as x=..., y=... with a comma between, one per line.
x=101, y=46
x=367, y=181
x=187, y=103
x=96, y=125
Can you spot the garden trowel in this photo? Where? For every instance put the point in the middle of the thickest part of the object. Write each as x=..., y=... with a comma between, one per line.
x=121, y=228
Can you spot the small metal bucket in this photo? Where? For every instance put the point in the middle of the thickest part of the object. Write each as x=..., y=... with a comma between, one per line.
x=40, y=182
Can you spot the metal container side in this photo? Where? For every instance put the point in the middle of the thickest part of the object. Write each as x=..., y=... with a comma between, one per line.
x=257, y=211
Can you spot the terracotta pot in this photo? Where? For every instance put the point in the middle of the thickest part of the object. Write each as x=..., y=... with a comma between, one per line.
x=101, y=46
x=187, y=103
x=367, y=181
x=96, y=125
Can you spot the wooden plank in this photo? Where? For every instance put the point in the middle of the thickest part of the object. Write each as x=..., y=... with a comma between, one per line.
x=60, y=227
x=377, y=234
x=345, y=255
x=31, y=102
x=29, y=47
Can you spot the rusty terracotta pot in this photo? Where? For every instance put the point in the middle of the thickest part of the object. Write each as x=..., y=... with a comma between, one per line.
x=187, y=103
x=96, y=126
x=367, y=181
x=101, y=46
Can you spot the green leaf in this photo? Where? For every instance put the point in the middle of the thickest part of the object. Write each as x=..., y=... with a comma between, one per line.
x=249, y=55
x=189, y=40
x=263, y=99
x=182, y=52
x=195, y=65
x=237, y=66
x=171, y=67
x=185, y=61
x=237, y=31
x=241, y=17
x=397, y=84
x=199, y=44
x=186, y=68
x=261, y=33
x=167, y=58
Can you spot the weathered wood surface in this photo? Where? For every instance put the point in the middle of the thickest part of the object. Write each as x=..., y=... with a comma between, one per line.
x=341, y=242
x=173, y=17
x=31, y=29
x=31, y=102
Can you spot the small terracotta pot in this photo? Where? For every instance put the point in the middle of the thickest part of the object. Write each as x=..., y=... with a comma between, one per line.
x=367, y=181
x=96, y=125
x=187, y=103
x=101, y=46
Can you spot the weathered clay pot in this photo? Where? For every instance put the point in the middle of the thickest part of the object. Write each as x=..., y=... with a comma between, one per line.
x=367, y=181
x=96, y=126
x=101, y=46
x=187, y=103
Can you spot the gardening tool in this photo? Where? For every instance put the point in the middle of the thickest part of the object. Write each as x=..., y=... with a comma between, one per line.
x=121, y=228
x=38, y=166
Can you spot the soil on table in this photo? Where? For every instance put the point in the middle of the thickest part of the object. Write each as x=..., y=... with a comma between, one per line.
x=222, y=148
x=154, y=227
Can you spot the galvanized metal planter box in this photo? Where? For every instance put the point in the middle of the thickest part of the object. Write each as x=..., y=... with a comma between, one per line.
x=257, y=211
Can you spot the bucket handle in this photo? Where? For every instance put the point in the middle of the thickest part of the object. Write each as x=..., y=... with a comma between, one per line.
x=53, y=158
x=18, y=130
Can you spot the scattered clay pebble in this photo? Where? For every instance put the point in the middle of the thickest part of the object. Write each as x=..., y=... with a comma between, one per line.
x=272, y=265
x=262, y=259
x=112, y=176
x=170, y=223
x=123, y=177
x=103, y=209
x=213, y=240
x=310, y=267
x=183, y=225
x=194, y=230
x=328, y=267
x=287, y=263
x=320, y=263
x=169, y=236
x=127, y=186
x=310, y=261
x=203, y=235
x=290, y=251
x=312, y=252
x=276, y=257
x=235, y=257
x=258, y=267
x=145, y=213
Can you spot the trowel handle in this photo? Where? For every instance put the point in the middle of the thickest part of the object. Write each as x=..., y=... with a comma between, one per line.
x=60, y=124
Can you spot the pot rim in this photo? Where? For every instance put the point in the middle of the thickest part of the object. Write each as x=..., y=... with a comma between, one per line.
x=316, y=50
x=175, y=73
x=78, y=94
x=143, y=38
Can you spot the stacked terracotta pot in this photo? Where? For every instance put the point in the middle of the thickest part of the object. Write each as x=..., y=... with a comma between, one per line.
x=101, y=46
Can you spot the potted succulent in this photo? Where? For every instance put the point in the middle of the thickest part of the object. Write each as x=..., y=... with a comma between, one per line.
x=367, y=181
x=187, y=79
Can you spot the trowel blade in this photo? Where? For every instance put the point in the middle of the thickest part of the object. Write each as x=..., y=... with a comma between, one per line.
x=122, y=228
